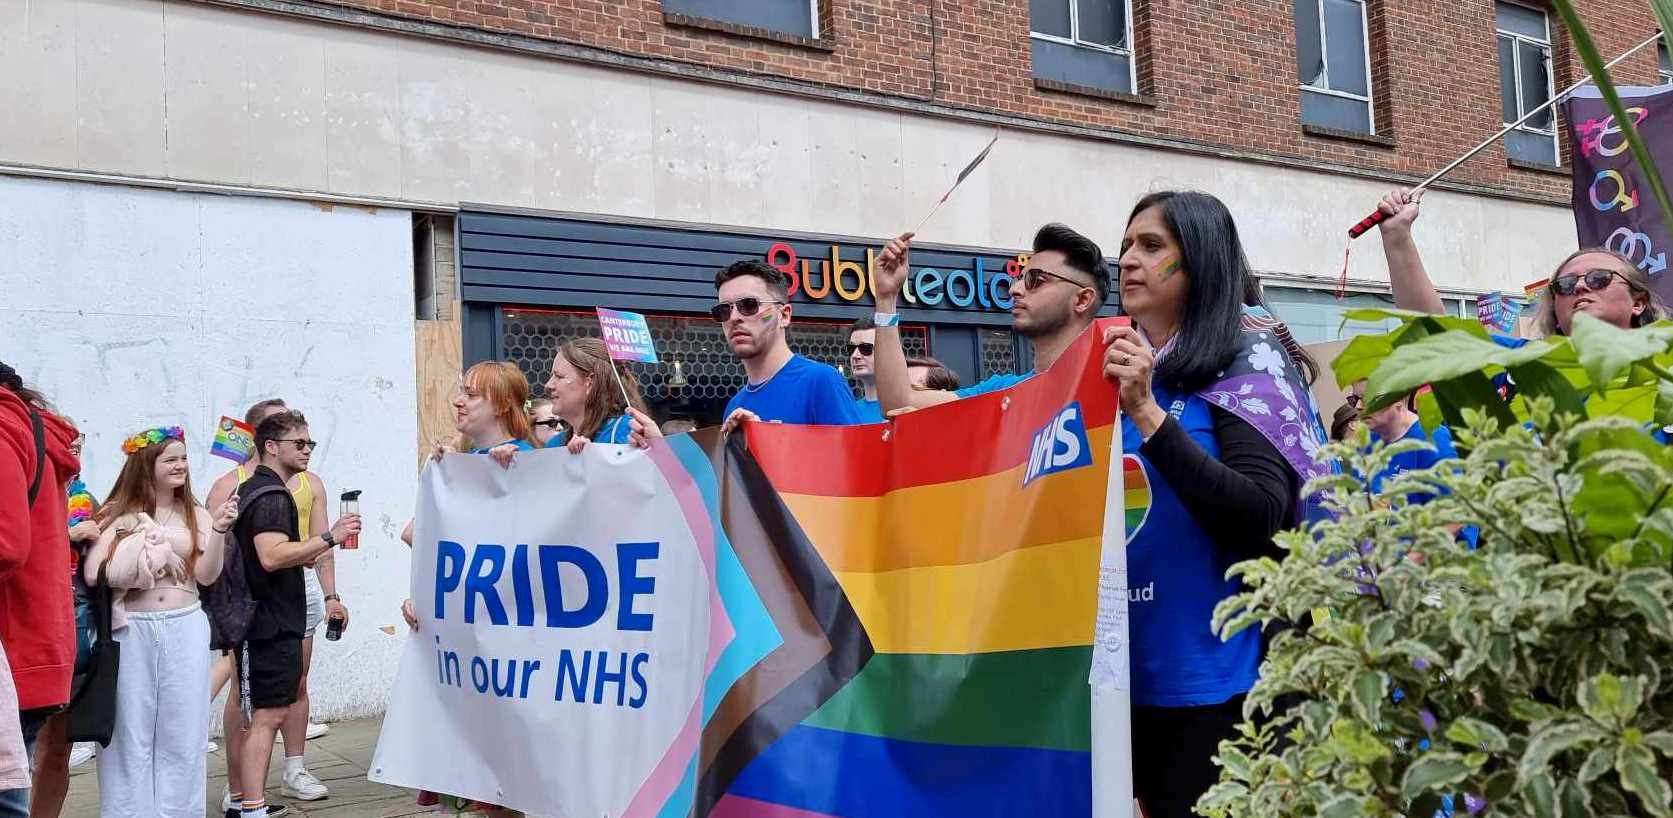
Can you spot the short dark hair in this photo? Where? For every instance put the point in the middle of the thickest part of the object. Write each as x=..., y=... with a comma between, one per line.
x=938, y=377
x=1080, y=252
x=253, y=416
x=776, y=281
x=864, y=322
x=275, y=427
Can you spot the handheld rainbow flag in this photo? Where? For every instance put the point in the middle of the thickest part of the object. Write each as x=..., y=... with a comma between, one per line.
x=962, y=175
x=234, y=440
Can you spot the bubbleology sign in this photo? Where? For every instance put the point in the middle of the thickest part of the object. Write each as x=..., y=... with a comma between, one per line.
x=627, y=335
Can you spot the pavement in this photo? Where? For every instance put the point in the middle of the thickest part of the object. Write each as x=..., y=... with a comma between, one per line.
x=340, y=758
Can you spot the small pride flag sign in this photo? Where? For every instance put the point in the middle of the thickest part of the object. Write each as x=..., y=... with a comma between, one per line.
x=233, y=440
x=627, y=335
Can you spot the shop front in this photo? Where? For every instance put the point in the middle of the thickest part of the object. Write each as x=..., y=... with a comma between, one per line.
x=528, y=282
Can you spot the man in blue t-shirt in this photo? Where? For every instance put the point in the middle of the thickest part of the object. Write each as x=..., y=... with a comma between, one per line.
x=862, y=340
x=1054, y=300
x=754, y=312
x=1399, y=422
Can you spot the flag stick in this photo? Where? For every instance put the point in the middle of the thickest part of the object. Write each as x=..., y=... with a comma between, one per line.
x=1378, y=216
x=615, y=370
x=930, y=214
x=963, y=174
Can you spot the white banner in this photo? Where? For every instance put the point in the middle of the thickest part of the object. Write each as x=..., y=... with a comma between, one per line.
x=563, y=634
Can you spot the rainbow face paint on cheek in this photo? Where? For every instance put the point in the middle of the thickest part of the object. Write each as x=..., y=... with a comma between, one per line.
x=1168, y=270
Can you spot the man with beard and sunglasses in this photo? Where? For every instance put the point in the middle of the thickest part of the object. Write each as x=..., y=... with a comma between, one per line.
x=1054, y=300
x=783, y=387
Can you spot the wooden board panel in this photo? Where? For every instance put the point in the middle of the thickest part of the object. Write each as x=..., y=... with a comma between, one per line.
x=440, y=361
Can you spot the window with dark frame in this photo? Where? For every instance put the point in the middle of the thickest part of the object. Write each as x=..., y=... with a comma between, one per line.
x=1664, y=65
x=1086, y=43
x=1524, y=36
x=798, y=18
x=1334, y=61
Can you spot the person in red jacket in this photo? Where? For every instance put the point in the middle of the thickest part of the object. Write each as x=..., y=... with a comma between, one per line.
x=36, y=624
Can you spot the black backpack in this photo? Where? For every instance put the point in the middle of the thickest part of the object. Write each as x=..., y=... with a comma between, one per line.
x=228, y=602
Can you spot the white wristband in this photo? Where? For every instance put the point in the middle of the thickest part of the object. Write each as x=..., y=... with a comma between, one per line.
x=885, y=319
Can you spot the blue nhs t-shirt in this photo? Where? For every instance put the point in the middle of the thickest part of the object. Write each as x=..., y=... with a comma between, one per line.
x=1176, y=575
x=618, y=429
x=992, y=383
x=803, y=392
x=1418, y=460
x=870, y=411
x=522, y=446
x=1441, y=439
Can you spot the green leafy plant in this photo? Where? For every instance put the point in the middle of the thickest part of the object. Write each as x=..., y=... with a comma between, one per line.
x=1411, y=675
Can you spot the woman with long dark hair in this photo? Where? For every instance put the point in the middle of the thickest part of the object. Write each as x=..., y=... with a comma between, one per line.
x=156, y=547
x=1216, y=409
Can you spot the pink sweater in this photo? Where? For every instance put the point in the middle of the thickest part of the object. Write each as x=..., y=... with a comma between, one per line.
x=153, y=556
x=14, y=762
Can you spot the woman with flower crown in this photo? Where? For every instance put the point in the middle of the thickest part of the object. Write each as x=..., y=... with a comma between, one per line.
x=156, y=547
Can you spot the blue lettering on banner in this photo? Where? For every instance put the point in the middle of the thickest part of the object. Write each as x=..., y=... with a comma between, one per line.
x=596, y=677
x=1060, y=445
x=476, y=576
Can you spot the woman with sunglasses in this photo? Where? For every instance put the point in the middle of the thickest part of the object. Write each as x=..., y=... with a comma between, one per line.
x=1220, y=417
x=156, y=547
x=1595, y=280
x=596, y=397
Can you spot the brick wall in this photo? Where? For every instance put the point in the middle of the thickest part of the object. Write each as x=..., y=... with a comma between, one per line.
x=1220, y=72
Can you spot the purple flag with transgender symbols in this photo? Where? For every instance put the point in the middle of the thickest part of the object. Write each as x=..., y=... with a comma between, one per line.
x=1613, y=205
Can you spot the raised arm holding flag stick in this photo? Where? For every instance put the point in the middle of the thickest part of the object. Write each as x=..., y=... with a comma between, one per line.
x=1378, y=216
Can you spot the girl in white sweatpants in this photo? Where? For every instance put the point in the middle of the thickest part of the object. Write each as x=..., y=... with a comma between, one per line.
x=157, y=546
x=156, y=759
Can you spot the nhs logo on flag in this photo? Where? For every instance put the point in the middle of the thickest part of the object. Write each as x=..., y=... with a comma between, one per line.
x=1060, y=446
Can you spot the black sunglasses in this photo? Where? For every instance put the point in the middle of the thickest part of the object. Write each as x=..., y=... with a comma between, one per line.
x=1595, y=280
x=1034, y=278
x=865, y=349
x=746, y=306
x=550, y=423
x=302, y=444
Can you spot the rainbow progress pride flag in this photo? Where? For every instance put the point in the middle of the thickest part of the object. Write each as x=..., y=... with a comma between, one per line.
x=936, y=584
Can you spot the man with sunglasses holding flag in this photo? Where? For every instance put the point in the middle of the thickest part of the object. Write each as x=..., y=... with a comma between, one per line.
x=1054, y=300
x=783, y=387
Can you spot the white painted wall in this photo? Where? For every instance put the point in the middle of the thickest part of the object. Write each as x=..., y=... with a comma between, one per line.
x=134, y=308
x=181, y=90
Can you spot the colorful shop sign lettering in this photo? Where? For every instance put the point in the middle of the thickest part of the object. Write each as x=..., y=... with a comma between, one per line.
x=977, y=287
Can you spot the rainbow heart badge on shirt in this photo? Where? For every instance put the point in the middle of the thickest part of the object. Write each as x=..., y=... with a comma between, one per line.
x=1135, y=486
